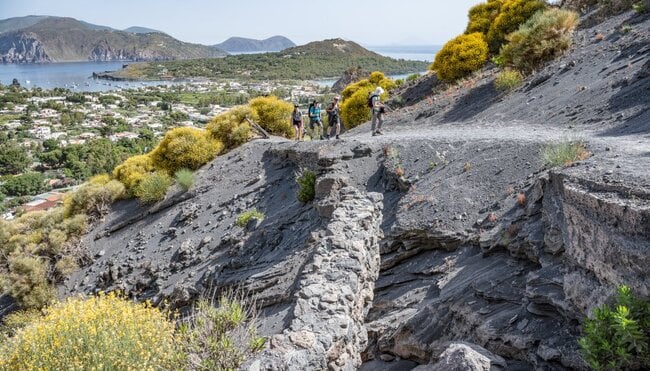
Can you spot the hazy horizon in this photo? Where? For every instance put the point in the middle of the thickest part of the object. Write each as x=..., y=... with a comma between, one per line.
x=411, y=23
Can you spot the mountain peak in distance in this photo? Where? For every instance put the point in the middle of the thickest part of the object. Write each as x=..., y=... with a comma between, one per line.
x=245, y=45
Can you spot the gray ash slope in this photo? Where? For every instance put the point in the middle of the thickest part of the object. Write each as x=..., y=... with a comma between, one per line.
x=417, y=258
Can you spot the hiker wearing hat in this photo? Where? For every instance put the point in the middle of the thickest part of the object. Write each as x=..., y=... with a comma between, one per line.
x=315, y=123
x=378, y=109
x=296, y=119
x=334, y=117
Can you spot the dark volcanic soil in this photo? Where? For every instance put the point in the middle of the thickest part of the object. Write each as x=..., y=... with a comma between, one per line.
x=517, y=285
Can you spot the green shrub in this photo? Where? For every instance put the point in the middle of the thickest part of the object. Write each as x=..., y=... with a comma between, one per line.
x=460, y=57
x=219, y=337
x=102, y=333
x=508, y=79
x=640, y=7
x=412, y=77
x=513, y=14
x=482, y=16
x=542, y=38
x=564, y=153
x=618, y=336
x=27, y=281
x=306, y=186
x=245, y=217
x=354, y=105
x=93, y=199
x=153, y=187
x=37, y=249
x=185, y=178
x=273, y=115
x=24, y=184
x=133, y=170
x=184, y=147
x=231, y=127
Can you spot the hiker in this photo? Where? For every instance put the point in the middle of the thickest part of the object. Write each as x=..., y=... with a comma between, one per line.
x=334, y=117
x=378, y=110
x=315, y=123
x=296, y=119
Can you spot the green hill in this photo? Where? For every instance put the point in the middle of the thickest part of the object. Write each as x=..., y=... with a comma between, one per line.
x=329, y=58
x=55, y=39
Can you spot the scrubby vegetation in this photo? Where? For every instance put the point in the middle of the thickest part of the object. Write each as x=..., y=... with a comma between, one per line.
x=617, y=337
x=461, y=56
x=110, y=332
x=231, y=127
x=482, y=16
x=188, y=148
x=512, y=14
x=184, y=178
x=508, y=79
x=153, y=187
x=564, y=153
x=244, y=218
x=104, y=332
x=219, y=337
x=94, y=198
x=41, y=248
x=306, y=186
x=354, y=106
x=542, y=38
x=607, y=7
x=273, y=115
x=132, y=171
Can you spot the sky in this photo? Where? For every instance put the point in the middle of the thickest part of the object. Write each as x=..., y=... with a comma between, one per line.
x=369, y=22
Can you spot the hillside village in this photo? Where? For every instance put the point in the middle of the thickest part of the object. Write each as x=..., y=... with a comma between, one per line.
x=67, y=118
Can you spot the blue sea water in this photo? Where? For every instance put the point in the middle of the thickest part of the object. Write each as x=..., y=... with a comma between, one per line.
x=77, y=76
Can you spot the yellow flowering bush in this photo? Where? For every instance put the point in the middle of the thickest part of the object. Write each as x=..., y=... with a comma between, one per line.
x=513, y=13
x=133, y=170
x=231, y=127
x=106, y=332
x=482, y=16
x=354, y=107
x=460, y=57
x=274, y=115
x=187, y=148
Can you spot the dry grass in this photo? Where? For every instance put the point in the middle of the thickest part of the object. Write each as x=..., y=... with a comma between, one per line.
x=521, y=199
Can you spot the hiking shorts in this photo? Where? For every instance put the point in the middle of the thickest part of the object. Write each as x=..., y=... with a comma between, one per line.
x=313, y=123
x=297, y=123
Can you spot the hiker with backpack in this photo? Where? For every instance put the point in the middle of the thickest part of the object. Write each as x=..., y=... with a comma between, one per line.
x=334, y=117
x=378, y=109
x=296, y=119
x=315, y=123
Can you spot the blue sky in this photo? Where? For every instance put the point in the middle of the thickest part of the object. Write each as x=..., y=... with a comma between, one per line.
x=378, y=22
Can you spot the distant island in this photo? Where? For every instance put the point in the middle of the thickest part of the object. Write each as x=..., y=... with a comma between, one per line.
x=320, y=59
x=45, y=39
x=244, y=45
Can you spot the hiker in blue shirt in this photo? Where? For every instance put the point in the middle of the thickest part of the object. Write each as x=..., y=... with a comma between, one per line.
x=315, y=123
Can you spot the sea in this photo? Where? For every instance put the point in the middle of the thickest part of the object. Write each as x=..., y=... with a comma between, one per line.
x=77, y=76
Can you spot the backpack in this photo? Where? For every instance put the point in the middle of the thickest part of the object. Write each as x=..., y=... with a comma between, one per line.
x=310, y=109
x=370, y=100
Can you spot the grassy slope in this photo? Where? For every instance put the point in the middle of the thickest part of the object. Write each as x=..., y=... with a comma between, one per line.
x=329, y=58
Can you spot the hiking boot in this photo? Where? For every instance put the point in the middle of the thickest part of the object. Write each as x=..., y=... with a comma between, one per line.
x=328, y=137
x=337, y=137
x=321, y=138
x=379, y=132
x=374, y=133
